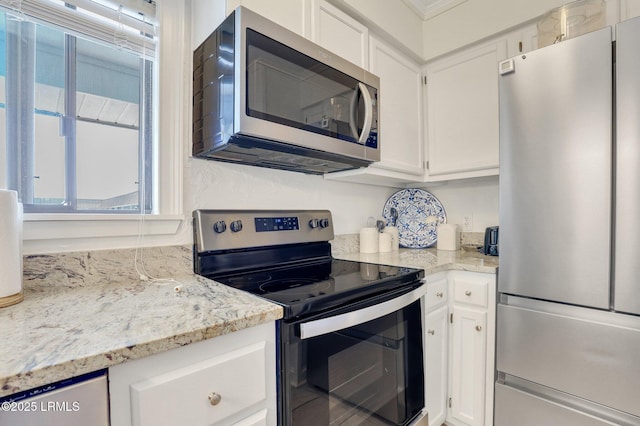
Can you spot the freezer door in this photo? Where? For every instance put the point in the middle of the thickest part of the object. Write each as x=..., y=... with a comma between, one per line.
x=517, y=407
x=627, y=239
x=587, y=353
x=555, y=172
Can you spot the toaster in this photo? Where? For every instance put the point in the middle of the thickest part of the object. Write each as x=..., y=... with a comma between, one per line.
x=491, y=241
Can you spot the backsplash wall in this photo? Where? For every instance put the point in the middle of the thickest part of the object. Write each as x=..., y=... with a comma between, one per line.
x=477, y=198
x=217, y=185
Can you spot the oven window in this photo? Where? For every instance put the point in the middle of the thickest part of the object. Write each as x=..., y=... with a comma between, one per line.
x=368, y=374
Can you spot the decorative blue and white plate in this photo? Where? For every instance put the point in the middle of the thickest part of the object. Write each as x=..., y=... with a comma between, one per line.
x=419, y=213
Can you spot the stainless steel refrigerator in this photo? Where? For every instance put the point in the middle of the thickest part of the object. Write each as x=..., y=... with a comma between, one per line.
x=568, y=314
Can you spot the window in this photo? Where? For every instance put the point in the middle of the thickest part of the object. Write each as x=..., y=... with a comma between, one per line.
x=77, y=106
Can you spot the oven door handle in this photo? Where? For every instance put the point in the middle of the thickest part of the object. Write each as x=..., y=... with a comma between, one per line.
x=350, y=319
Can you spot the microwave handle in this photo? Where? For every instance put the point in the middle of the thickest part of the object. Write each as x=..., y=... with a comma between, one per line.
x=350, y=319
x=368, y=110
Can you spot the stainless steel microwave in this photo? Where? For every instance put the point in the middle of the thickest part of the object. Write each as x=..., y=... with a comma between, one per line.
x=265, y=96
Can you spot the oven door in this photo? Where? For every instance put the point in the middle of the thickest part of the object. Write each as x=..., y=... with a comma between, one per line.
x=360, y=364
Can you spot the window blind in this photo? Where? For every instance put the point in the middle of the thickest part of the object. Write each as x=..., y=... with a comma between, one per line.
x=129, y=24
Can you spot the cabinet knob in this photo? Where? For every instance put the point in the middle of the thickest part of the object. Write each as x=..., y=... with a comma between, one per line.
x=468, y=292
x=431, y=332
x=214, y=398
x=439, y=294
x=478, y=327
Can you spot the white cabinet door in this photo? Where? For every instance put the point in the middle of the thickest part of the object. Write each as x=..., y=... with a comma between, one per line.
x=436, y=354
x=208, y=392
x=230, y=379
x=468, y=360
x=471, y=348
x=400, y=106
x=462, y=112
x=338, y=32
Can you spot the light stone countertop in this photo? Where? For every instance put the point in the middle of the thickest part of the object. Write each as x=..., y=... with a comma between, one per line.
x=88, y=311
x=83, y=312
x=431, y=260
x=347, y=247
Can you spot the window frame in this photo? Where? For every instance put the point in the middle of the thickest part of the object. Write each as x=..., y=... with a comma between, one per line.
x=65, y=232
x=19, y=174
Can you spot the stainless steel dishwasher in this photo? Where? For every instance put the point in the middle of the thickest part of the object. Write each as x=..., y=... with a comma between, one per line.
x=80, y=401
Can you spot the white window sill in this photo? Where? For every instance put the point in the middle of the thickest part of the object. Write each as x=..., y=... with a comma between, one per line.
x=50, y=233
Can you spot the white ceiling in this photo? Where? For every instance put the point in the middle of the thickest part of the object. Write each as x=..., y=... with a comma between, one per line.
x=427, y=9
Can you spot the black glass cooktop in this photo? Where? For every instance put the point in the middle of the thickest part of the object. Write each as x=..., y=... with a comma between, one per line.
x=312, y=287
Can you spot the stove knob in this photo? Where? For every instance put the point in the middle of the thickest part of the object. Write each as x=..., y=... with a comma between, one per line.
x=324, y=223
x=236, y=225
x=219, y=227
x=314, y=223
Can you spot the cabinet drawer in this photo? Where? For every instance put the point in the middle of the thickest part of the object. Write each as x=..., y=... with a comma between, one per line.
x=188, y=395
x=470, y=291
x=436, y=293
x=257, y=419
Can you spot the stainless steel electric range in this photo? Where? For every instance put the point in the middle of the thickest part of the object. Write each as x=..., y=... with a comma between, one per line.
x=350, y=343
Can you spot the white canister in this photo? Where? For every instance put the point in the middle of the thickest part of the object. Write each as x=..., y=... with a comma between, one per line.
x=369, y=240
x=384, y=242
x=395, y=237
x=10, y=249
x=448, y=237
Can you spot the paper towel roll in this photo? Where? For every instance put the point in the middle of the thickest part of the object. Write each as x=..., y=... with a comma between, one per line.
x=10, y=248
x=384, y=242
x=448, y=237
x=369, y=240
x=395, y=237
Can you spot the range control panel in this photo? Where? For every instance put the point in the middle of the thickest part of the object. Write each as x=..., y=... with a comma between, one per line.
x=216, y=230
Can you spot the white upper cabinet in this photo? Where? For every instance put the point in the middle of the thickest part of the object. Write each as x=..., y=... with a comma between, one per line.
x=462, y=112
x=337, y=32
x=522, y=40
x=400, y=107
x=400, y=123
x=400, y=96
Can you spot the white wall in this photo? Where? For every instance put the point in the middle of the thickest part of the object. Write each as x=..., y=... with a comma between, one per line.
x=217, y=185
x=477, y=198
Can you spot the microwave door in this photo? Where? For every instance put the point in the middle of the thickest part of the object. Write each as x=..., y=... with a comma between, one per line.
x=289, y=88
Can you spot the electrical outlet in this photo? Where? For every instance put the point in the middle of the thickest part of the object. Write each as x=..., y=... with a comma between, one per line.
x=467, y=222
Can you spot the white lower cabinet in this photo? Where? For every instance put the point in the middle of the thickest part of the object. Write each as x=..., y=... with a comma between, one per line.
x=436, y=340
x=227, y=380
x=459, y=332
x=468, y=360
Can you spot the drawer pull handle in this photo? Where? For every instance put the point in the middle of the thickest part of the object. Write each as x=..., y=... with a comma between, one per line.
x=214, y=398
x=431, y=332
x=468, y=292
x=439, y=294
x=478, y=327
